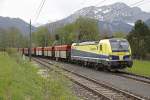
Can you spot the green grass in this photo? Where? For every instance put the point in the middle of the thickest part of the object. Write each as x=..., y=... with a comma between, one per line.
x=19, y=81
x=141, y=68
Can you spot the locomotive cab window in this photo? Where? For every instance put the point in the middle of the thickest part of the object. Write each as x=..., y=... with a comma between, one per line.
x=119, y=45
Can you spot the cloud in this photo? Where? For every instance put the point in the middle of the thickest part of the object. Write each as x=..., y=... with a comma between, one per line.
x=1, y=4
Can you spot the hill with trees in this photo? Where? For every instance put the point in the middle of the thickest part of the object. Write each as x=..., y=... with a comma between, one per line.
x=6, y=23
x=84, y=29
x=12, y=38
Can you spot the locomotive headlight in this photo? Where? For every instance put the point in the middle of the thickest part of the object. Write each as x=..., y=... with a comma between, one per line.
x=128, y=57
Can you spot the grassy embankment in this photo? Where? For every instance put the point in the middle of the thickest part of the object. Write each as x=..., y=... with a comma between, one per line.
x=19, y=81
x=141, y=68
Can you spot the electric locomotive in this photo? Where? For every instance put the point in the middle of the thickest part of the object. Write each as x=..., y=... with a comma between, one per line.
x=113, y=54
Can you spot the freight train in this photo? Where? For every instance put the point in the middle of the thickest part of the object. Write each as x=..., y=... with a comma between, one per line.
x=111, y=54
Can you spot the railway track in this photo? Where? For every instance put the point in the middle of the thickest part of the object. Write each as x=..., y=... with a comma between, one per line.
x=145, y=77
x=101, y=89
x=140, y=78
x=132, y=76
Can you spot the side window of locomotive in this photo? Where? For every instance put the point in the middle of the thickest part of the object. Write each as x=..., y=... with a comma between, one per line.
x=101, y=47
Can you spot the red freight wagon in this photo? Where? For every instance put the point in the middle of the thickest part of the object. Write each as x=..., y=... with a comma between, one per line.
x=62, y=51
x=49, y=51
x=33, y=51
x=39, y=51
x=45, y=51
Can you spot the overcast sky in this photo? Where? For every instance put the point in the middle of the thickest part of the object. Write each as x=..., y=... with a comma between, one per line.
x=54, y=9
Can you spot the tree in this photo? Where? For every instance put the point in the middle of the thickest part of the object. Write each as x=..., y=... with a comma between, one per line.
x=87, y=29
x=67, y=34
x=12, y=38
x=139, y=39
x=42, y=37
x=83, y=29
x=3, y=39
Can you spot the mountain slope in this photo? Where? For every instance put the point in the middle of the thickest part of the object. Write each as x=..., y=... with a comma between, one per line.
x=116, y=26
x=6, y=22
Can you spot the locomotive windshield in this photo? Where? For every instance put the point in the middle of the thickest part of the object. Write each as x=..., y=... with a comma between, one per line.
x=119, y=45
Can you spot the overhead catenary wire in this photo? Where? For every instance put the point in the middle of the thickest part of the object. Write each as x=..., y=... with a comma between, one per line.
x=39, y=10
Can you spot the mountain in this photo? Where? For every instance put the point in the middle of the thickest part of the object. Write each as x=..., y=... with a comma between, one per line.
x=6, y=22
x=114, y=12
x=116, y=17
